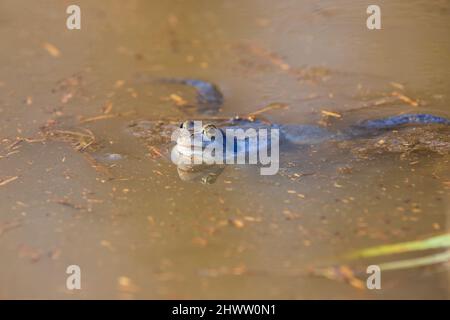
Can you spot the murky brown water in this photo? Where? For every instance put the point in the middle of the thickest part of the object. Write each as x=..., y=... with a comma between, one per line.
x=137, y=230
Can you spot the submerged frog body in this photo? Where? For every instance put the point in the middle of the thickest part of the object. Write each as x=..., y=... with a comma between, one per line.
x=402, y=133
x=239, y=139
x=288, y=134
x=209, y=97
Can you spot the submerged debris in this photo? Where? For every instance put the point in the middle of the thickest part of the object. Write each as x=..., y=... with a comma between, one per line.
x=100, y=117
x=341, y=273
x=404, y=141
x=81, y=139
x=349, y=274
x=29, y=252
x=256, y=56
x=68, y=203
x=69, y=87
x=271, y=106
x=429, y=260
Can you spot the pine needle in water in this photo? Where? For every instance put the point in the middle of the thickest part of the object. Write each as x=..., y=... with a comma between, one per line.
x=441, y=241
x=417, y=262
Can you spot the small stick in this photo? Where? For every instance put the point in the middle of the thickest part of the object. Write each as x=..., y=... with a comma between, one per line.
x=272, y=106
x=100, y=117
x=5, y=182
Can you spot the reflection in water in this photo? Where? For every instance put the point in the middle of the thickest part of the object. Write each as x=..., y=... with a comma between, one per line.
x=206, y=174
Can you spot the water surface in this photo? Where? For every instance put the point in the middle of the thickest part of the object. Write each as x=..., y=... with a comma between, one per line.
x=134, y=227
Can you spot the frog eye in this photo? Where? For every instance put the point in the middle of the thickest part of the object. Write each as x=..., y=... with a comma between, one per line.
x=209, y=131
x=187, y=124
x=209, y=179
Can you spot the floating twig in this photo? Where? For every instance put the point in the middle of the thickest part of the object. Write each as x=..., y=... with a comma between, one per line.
x=331, y=114
x=6, y=181
x=272, y=106
x=405, y=99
